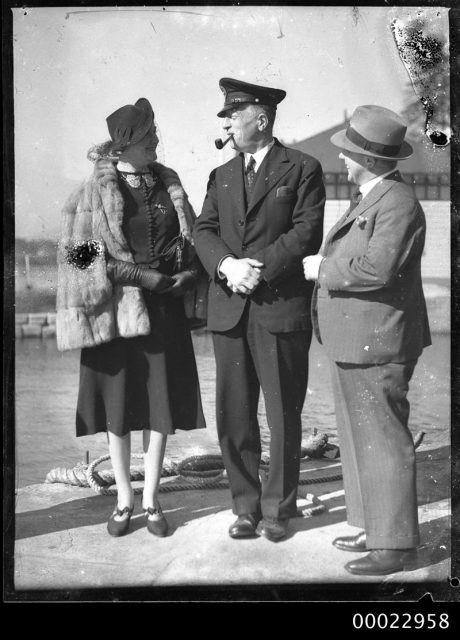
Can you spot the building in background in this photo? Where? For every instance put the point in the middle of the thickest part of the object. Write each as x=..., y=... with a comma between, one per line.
x=428, y=170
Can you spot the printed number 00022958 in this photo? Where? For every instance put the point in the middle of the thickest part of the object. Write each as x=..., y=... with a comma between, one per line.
x=401, y=621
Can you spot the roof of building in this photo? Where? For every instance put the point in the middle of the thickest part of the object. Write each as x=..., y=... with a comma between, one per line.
x=427, y=158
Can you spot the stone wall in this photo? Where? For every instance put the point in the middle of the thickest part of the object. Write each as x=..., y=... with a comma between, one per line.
x=43, y=325
x=35, y=325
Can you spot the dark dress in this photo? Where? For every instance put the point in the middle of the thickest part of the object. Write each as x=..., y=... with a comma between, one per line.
x=146, y=382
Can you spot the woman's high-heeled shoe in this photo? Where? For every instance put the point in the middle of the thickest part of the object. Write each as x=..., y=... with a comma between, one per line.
x=159, y=526
x=118, y=528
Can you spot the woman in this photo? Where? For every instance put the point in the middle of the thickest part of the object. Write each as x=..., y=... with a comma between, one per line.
x=121, y=281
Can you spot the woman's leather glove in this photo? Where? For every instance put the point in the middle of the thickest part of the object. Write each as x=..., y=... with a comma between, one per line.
x=183, y=281
x=138, y=275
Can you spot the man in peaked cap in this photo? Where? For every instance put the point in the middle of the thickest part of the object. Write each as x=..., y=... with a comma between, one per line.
x=237, y=92
x=263, y=212
x=369, y=312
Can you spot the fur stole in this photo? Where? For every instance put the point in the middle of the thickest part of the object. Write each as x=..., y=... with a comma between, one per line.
x=90, y=309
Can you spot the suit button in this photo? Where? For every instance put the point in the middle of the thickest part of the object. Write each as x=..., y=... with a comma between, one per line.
x=244, y=247
x=241, y=223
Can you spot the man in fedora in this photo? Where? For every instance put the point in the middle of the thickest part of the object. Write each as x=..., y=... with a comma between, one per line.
x=369, y=312
x=263, y=212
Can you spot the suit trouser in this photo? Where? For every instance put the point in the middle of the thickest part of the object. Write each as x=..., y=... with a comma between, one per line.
x=249, y=358
x=377, y=451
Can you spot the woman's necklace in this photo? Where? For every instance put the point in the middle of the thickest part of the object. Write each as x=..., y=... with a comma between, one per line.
x=136, y=180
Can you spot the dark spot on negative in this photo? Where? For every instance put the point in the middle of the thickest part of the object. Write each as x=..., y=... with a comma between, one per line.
x=424, y=51
x=438, y=138
x=82, y=254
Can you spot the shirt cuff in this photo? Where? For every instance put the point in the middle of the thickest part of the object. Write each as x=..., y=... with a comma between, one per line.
x=219, y=274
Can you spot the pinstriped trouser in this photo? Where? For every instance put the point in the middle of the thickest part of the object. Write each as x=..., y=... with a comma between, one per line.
x=377, y=451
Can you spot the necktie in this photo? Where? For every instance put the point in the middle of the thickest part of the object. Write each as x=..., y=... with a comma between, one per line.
x=250, y=173
x=356, y=198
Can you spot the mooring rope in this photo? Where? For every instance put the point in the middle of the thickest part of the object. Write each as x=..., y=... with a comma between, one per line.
x=210, y=465
x=199, y=472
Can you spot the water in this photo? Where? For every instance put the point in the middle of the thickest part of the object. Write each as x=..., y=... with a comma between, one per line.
x=46, y=395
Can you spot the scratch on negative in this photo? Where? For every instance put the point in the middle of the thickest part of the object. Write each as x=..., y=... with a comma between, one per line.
x=163, y=10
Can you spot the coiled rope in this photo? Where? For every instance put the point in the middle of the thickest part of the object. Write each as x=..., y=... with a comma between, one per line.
x=198, y=472
x=78, y=475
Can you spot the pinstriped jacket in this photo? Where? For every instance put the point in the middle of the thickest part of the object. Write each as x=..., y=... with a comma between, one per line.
x=368, y=305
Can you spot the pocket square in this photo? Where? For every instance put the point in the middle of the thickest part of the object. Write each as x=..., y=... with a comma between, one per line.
x=283, y=192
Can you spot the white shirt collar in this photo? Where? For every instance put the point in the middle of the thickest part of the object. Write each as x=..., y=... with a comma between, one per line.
x=368, y=186
x=258, y=155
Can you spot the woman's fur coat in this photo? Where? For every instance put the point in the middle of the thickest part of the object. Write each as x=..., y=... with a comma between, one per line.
x=90, y=309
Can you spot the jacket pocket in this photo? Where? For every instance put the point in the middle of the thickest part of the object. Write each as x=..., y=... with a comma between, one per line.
x=284, y=192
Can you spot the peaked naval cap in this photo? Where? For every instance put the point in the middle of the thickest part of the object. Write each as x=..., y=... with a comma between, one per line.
x=237, y=92
x=374, y=131
x=130, y=124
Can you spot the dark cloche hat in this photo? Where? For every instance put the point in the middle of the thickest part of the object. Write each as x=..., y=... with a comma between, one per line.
x=238, y=92
x=130, y=123
x=374, y=131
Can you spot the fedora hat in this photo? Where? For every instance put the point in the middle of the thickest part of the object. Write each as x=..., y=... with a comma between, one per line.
x=238, y=92
x=374, y=131
x=130, y=124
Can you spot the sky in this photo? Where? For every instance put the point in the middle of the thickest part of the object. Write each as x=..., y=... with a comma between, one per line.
x=73, y=66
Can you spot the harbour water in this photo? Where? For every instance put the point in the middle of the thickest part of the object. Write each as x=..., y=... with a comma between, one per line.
x=46, y=392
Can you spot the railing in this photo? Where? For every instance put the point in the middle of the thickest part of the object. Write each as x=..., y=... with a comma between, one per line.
x=434, y=186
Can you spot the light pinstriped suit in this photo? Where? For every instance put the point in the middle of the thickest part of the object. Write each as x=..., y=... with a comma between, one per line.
x=369, y=312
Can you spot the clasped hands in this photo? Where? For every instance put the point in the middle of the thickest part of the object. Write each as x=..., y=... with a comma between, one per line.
x=243, y=274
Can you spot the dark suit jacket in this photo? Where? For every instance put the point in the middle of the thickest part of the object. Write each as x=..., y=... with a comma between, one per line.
x=282, y=223
x=368, y=305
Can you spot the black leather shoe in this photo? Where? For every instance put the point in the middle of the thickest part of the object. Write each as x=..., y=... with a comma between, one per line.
x=380, y=562
x=244, y=526
x=351, y=543
x=157, y=526
x=118, y=528
x=272, y=528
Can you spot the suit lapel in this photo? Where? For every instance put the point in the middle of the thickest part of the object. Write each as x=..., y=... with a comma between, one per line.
x=275, y=165
x=233, y=181
x=368, y=201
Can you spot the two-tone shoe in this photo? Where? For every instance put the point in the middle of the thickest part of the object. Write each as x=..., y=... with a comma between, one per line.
x=117, y=528
x=156, y=522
